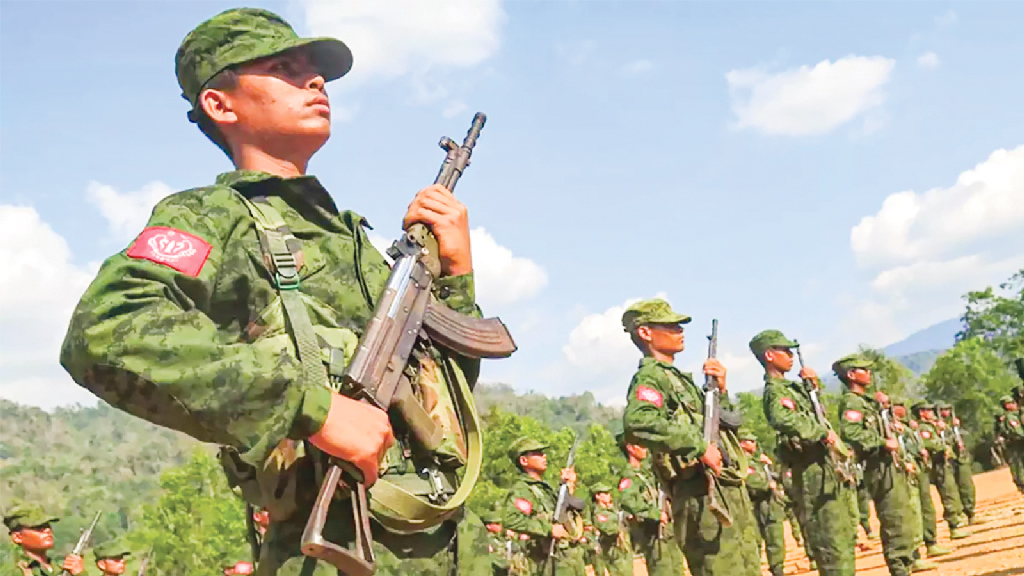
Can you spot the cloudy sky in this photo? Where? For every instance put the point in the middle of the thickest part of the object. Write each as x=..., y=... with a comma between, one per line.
x=843, y=172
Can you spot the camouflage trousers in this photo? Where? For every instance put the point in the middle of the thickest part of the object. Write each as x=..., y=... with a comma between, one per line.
x=662, y=557
x=964, y=473
x=915, y=508
x=613, y=559
x=567, y=561
x=887, y=483
x=710, y=548
x=1015, y=461
x=924, y=491
x=864, y=506
x=830, y=528
x=770, y=515
x=945, y=483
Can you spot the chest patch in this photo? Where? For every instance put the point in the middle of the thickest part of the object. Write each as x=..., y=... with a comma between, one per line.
x=650, y=395
x=926, y=434
x=602, y=518
x=788, y=403
x=182, y=251
x=853, y=415
x=624, y=484
x=750, y=470
x=524, y=506
x=1014, y=423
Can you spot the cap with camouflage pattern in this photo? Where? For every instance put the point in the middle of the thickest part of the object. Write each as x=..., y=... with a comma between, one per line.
x=1006, y=399
x=769, y=339
x=851, y=362
x=27, y=516
x=490, y=516
x=242, y=35
x=943, y=406
x=653, y=311
x=524, y=445
x=115, y=548
x=600, y=487
x=746, y=434
x=922, y=405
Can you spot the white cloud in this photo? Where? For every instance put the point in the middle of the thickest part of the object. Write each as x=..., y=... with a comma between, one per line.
x=38, y=291
x=928, y=61
x=501, y=277
x=808, y=100
x=409, y=37
x=126, y=212
x=638, y=67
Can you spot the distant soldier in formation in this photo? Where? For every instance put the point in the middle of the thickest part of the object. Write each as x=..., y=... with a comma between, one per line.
x=499, y=546
x=665, y=412
x=885, y=475
x=30, y=531
x=110, y=557
x=1010, y=428
x=614, y=555
x=941, y=470
x=921, y=439
x=823, y=497
x=917, y=475
x=961, y=463
x=529, y=508
x=768, y=500
x=649, y=518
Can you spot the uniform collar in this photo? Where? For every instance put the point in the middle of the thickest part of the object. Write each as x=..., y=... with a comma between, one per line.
x=255, y=183
x=32, y=562
x=648, y=360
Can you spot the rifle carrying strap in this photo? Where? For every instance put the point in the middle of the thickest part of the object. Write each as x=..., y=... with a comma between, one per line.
x=396, y=508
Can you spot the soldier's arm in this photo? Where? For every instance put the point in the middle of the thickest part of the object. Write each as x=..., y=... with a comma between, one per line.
x=605, y=520
x=646, y=418
x=853, y=429
x=757, y=480
x=141, y=340
x=931, y=439
x=522, y=515
x=785, y=416
x=631, y=499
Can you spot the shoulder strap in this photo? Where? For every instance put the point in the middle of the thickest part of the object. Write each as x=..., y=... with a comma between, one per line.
x=26, y=570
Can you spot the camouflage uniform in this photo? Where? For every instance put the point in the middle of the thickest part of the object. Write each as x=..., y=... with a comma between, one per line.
x=613, y=550
x=190, y=327
x=885, y=474
x=941, y=473
x=768, y=509
x=499, y=546
x=638, y=496
x=29, y=516
x=665, y=413
x=111, y=549
x=962, y=464
x=830, y=529
x=1010, y=427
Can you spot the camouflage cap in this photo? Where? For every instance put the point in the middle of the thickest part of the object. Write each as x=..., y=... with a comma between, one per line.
x=490, y=516
x=922, y=405
x=115, y=548
x=654, y=311
x=746, y=434
x=851, y=362
x=600, y=487
x=770, y=339
x=1006, y=399
x=943, y=406
x=27, y=516
x=897, y=401
x=242, y=35
x=524, y=445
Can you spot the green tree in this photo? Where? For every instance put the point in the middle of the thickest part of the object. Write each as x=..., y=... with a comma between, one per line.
x=890, y=376
x=997, y=316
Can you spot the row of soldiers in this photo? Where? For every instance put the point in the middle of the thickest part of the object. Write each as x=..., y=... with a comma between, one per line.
x=31, y=531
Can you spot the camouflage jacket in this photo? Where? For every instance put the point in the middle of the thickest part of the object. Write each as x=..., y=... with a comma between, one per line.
x=606, y=525
x=860, y=424
x=931, y=439
x=665, y=410
x=758, y=482
x=1009, y=426
x=173, y=329
x=25, y=566
x=789, y=410
x=529, y=506
x=638, y=495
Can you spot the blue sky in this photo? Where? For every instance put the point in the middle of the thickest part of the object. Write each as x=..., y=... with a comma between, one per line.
x=843, y=172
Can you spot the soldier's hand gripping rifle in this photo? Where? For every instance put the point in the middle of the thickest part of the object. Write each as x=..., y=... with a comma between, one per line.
x=890, y=433
x=662, y=509
x=775, y=483
x=83, y=542
x=406, y=313
x=712, y=434
x=562, y=503
x=838, y=453
x=956, y=431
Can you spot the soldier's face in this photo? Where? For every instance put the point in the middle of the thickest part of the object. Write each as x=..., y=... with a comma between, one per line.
x=859, y=376
x=1010, y=406
x=636, y=451
x=603, y=498
x=111, y=565
x=535, y=461
x=899, y=411
x=37, y=538
x=664, y=338
x=946, y=413
x=779, y=358
x=749, y=446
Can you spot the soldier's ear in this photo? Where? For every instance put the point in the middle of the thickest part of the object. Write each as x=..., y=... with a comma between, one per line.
x=16, y=537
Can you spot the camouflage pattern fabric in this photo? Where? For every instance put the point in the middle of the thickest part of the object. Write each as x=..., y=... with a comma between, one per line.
x=942, y=473
x=654, y=311
x=963, y=472
x=613, y=551
x=638, y=496
x=1011, y=427
x=769, y=513
x=528, y=509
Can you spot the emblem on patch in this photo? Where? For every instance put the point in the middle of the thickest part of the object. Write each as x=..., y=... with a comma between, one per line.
x=788, y=403
x=182, y=251
x=750, y=470
x=926, y=434
x=524, y=505
x=853, y=415
x=602, y=518
x=645, y=394
x=625, y=483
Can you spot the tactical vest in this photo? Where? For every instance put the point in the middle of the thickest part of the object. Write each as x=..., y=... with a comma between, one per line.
x=417, y=490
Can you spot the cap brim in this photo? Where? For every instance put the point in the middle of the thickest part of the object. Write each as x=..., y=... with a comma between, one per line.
x=331, y=56
x=671, y=319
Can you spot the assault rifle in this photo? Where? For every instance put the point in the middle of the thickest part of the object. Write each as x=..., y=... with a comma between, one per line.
x=956, y=431
x=407, y=313
x=890, y=433
x=83, y=542
x=712, y=434
x=838, y=453
x=773, y=477
x=562, y=503
x=145, y=563
x=662, y=509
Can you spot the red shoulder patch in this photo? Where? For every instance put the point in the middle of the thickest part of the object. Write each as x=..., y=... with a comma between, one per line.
x=645, y=394
x=182, y=251
x=788, y=403
x=602, y=518
x=624, y=484
x=750, y=470
x=853, y=415
x=524, y=505
x=926, y=434
x=1014, y=423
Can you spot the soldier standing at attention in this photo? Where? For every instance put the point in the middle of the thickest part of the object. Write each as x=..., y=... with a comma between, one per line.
x=665, y=413
x=885, y=474
x=1010, y=428
x=769, y=510
x=529, y=509
x=650, y=525
x=30, y=531
x=924, y=483
x=917, y=472
x=941, y=471
x=110, y=557
x=613, y=550
x=962, y=462
x=200, y=325
x=498, y=544
x=830, y=529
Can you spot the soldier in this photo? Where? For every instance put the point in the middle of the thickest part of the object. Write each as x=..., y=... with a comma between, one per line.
x=499, y=545
x=1010, y=428
x=923, y=460
x=864, y=505
x=941, y=474
x=614, y=553
x=30, y=531
x=917, y=472
x=665, y=413
x=214, y=321
x=769, y=505
x=552, y=548
x=885, y=473
x=803, y=446
x=110, y=557
x=649, y=520
x=962, y=463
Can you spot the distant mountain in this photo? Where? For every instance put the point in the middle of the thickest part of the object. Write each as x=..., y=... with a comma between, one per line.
x=939, y=337
x=920, y=362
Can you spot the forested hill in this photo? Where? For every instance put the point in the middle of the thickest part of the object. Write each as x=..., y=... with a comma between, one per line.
x=577, y=412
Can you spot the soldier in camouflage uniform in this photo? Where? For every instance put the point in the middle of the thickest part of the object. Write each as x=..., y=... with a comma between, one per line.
x=885, y=474
x=650, y=526
x=665, y=413
x=962, y=463
x=614, y=553
x=864, y=505
x=499, y=546
x=1010, y=428
x=552, y=548
x=30, y=531
x=913, y=451
x=110, y=557
x=924, y=483
x=941, y=472
x=825, y=499
x=219, y=319
x=769, y=508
